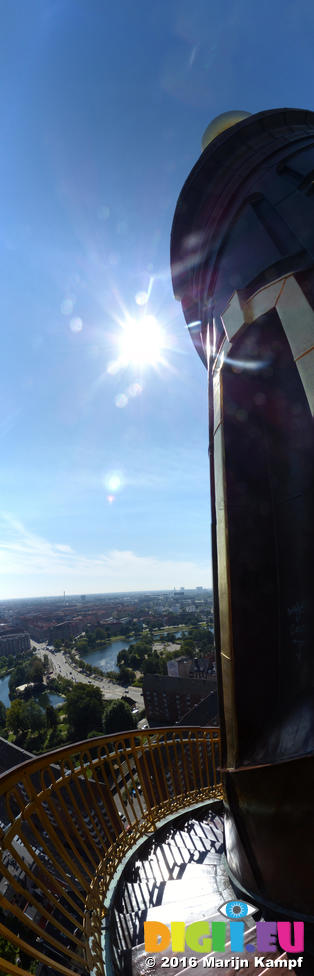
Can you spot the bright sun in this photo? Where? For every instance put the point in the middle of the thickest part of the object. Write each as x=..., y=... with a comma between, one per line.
x=142, y=341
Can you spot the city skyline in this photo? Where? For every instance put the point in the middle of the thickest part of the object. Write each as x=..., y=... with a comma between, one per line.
x=124, y=594
x=104, y=474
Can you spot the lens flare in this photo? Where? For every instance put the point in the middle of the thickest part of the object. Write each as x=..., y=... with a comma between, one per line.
x=113, y=482
x=121, y=400
x=142, y=297
x=76, y=324
x=134, y=390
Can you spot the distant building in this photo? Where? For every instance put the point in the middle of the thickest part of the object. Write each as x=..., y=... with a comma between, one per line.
x=179, y=667
x=167, y=699
x=60, y=631
x=204, y=714
x=65, y=629
x=14, y=643
x=203, y=667
x=197, y=667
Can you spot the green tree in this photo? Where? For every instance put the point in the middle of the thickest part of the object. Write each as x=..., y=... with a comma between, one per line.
x=118, y=718
x=122, y=656
x=51, y=717
x=152, y=665
x=134, y=661
x=82, y=646
x=34, y=716
x=3, y=713
x=188, y=648
x=141, y=648
x=7, y=950
x=100, y=634
x=18, y=677
x=25, y=716
x=14, y=716
x=36, y=671
x=126, y=675
x=84, y=706
x=195, y=634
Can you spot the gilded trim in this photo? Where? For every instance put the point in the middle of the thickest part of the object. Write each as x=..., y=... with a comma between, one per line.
x=296, y=316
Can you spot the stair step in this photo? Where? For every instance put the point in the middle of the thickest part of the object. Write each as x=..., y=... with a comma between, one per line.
x=197, y=838
x=128, y=929
x=181, y=876
x=188, y=891
x=139, y=895
x=187, y=910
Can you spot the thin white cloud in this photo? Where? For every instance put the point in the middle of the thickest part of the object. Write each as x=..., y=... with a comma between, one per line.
x=32, y=566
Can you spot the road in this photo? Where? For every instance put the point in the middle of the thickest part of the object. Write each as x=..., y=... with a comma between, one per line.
x=61, y=666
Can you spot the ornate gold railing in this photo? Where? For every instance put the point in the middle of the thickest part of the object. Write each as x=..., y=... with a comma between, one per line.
x=69, y=818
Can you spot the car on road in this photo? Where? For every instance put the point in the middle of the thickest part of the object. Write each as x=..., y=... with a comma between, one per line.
x=122, y=817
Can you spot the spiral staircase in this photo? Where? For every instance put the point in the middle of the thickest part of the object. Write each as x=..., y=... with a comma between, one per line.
x=71, y=822
x=103, y=835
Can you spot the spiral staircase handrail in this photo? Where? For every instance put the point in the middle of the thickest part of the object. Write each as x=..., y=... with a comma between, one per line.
x=69, y=819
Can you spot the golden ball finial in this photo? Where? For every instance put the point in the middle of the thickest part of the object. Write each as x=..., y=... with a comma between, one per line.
x=220, y=123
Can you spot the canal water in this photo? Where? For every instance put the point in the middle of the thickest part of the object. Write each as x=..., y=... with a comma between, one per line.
x=44, y=699
x=105, y=658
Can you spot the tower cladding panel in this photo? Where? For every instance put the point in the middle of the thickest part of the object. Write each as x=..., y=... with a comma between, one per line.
x=242, y=255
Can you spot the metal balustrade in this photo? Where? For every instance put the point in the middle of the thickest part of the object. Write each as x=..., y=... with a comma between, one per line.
x=67, y=821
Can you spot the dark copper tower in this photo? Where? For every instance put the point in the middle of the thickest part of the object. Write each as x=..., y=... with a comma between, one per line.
x=242, y=254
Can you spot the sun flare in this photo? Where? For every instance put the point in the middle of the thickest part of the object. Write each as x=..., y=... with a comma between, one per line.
x=142, y=341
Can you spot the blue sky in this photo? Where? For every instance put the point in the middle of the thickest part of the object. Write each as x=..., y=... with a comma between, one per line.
x=104, y=473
